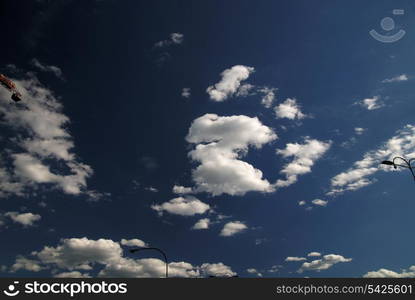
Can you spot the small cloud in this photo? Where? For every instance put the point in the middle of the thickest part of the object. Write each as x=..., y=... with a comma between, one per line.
x=151, y=189
x=182, y=190
x=301, y=203
x=133, y=243
x=359, y=130
x=186, y=92
x=45, y=68
x=25, y=219
x=398, y=78
x=202, y=224
x=294, y=258
x=233, y=228
x=230, y=83
x=254, y=271
x=313, y=254
x=183, y=206
x=371, y=103
x=319, y=202
x=289, y=109
x=269, y=96
x=174, y=39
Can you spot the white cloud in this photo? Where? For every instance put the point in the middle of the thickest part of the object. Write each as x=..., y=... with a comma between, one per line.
x=202, y=224
x=76, y=254
x=175, y=38
x=319, y=202
x=232, y=228
x=186, y=92
x=301, y=203
x=220, y=142
x=133, y=242
x=181, y=190
x=230, y=82
x=23, y=263
x=218, y=270
x=45, y=68
x=359, y=130
x=254, y=271
x=326, y=262
x=25, y=219
x=151, y=189
x=398, y=78
x=304, y=156
x=245, y=90
x=289, y=109
x=371, y=103
x=42, y=141
x=269, y=96
x=73, y=274
x=294, y=258
x=385, y=273
x=314, y=254
x=402, y=144
x=184, y=206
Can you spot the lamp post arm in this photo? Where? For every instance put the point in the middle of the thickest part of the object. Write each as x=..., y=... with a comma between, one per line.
x=159, y=250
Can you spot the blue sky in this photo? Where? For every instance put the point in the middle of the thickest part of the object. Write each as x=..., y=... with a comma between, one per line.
x=269, y=117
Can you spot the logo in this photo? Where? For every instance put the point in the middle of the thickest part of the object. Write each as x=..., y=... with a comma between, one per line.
x=11, y=290
x=388, y=24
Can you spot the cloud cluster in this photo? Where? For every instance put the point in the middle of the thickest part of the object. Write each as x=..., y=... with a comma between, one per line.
x=183, y=206
x=385, y=273
x=40, y=143
x=220, y=142
x=402, y=144
x=269, y=96
x=74, y=256
x=230, y=83
x=304, y=156
x=289, y=109
x=326, y=262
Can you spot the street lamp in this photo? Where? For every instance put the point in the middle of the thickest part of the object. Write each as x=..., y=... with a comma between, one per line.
x=157, y=249
x=407, y=164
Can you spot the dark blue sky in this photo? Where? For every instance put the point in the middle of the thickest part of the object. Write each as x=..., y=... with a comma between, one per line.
x=128, y=121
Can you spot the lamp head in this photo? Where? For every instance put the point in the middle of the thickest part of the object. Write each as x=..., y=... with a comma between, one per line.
x=388, y=162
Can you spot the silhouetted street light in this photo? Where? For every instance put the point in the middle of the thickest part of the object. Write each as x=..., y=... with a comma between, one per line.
x=157, y=249
x=407, y=164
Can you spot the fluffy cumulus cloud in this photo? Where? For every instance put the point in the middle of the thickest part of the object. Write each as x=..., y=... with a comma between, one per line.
x=45, y=68
x=41, y=141
x=371, y=103
x=175, y=38
x=220, y=143
x=295, y=258
x=72, y=257
x=319, y=202
x=183, y=206
x=385, y=273
x=230, y=83
x=289, y=109
x=202, y=224
x=25, y=219
x=304, y=156
x=232, y=228
x=402, y=144
x=326, y=262
x=133, y=242
x=398, y=78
